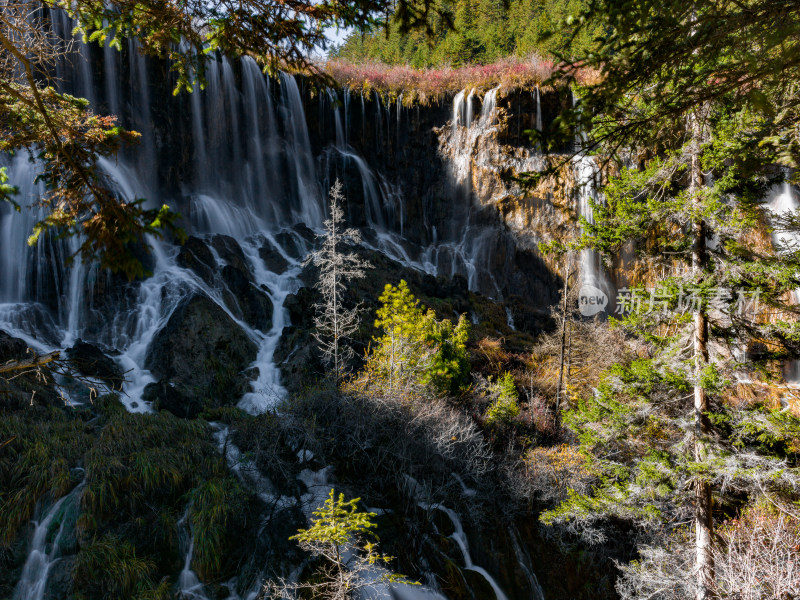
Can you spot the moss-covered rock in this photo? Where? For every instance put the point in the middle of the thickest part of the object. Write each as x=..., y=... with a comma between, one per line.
x=196, y=256
x=11, y=348
x=250, y=301
x=91, y=361
x=202, y=352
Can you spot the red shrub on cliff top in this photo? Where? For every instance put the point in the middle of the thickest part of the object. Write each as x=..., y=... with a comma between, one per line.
x=427, y=85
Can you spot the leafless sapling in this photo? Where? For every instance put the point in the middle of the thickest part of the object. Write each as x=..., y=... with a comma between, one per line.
x=334, y=322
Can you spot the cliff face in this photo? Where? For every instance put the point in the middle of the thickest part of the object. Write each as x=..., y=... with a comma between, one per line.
x=451, y=187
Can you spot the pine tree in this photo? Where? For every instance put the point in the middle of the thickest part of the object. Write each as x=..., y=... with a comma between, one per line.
x=505, y=406
x=700, y=98
x=339, y=536
x=661, y=426
x=416, y=350
x=333, y=321
x=660, y=61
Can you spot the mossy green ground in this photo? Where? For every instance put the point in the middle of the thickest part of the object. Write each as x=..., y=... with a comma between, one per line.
x=141, y=473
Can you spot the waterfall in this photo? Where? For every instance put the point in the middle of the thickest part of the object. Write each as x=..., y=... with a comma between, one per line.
x=783, y=200
x=346, y=104
x=248, y=180
x=16, y=227
x=363, y=115
x=308, y=190
x=593, y=272
x=460, y=538
x=510, y=320
x=378, y=120
x=44, y=551
x=399, y=113
x=189, y=586
x=525, y=564
x=458, y=109
x=469, y=104
x=341, y=138
x=538, y=109
x=489, y=107
x=236, y=159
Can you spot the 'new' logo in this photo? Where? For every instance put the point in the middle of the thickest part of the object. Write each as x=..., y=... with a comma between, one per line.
x=591, y=300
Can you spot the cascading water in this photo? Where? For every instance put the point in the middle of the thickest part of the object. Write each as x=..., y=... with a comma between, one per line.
x=525, y=564
x=784, y=200
x=591, y=266
x=251, y=174
x=489, y=107
x=459, y=118
x=44, y=550
x=593, y=272
x=236, y=190
x=189, y=586
x=466, y=246
x=469, y=108
x=460, y=538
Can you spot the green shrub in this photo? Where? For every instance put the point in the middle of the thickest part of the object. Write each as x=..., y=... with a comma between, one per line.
x=416, y=349
x=217, y=505
x=505, y=408
x=110, y=568
x=38, y=446
x=338, y=537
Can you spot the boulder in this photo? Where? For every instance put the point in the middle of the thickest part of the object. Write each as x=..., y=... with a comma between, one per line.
x=305, y=232
x=60, y=578
x=298, y=356
x=230, y=251
x=89, y=360
x=292, y=244
x=202, y=352
x=253, y=303
x=165, y=396
x=196, y=256
x=300, y=307
x=272, y=258
x=11, y=348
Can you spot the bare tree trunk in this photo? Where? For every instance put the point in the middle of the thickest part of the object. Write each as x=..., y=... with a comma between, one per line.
x=568, y=365
x=703, y=520
x=29, y=363
x=563, y=341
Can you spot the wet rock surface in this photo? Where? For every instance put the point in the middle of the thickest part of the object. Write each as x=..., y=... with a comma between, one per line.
x=252, y=303
x=11, y=348
x=195, y=255
x=202, y=352
x=164, y=395
x=91, y=361
x=229, y=250
x=272, y=258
